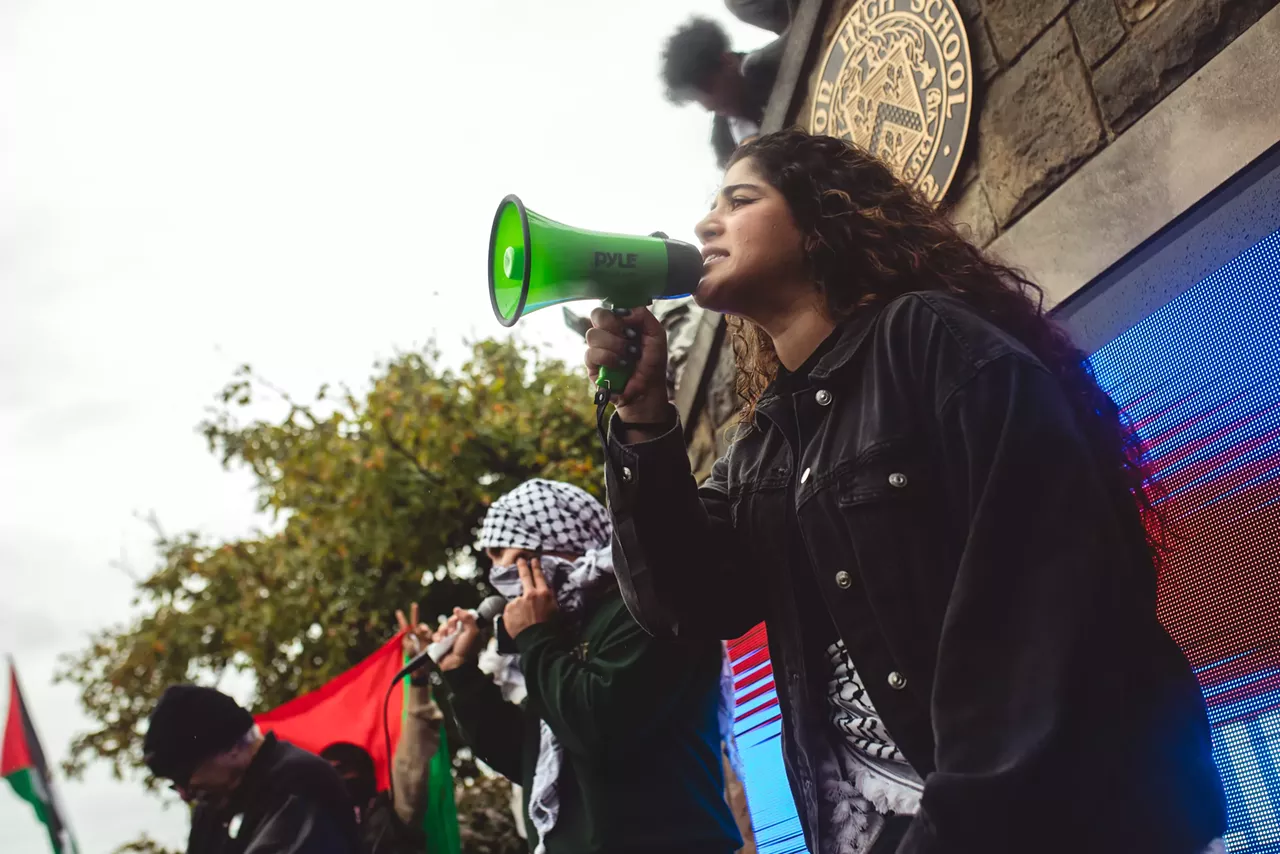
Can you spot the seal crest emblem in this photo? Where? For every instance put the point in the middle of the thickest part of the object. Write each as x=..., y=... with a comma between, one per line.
x=897, y=82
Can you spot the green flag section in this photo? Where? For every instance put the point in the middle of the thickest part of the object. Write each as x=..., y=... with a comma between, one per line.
x=440, y=820
x=440, y=823
x=23, y=766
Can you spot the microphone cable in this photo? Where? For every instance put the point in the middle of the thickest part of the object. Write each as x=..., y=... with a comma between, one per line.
x=486, y=611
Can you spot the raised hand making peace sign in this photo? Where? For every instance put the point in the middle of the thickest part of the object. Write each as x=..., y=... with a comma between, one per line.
x=536, y=605
x=416, y=635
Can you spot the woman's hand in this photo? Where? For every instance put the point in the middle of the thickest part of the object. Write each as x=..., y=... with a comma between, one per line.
x=466, y=646
x=536, y=605
x=638, y=338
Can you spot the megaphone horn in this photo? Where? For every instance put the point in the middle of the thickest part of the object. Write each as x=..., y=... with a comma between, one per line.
x=535, y=262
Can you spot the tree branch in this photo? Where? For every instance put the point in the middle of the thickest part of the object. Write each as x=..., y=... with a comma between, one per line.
x=497, y=461
x=400, y=449
x=294, y=406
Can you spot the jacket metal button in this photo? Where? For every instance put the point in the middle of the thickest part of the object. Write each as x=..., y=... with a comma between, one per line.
x=843, y=579
x=897, y=681
x=823, y=397
x=898, y=479
x=626, y=474
x=805, y=475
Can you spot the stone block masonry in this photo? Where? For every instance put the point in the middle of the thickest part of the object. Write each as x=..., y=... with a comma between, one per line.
x=1057, y=81
x=1038, y=124
x=1166, y=48
x=1069, y=78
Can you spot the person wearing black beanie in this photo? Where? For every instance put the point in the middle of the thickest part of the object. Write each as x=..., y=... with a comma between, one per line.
x=251, y=793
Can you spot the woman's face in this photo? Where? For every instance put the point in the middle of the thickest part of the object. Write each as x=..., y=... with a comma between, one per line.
x=753, y=252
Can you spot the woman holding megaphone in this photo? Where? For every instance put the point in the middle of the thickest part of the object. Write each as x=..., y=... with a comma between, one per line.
x=938, y=513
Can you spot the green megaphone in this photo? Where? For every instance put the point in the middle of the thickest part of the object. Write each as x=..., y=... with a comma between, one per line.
x=535, y=262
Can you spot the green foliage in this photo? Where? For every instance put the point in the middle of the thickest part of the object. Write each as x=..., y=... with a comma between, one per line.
x=375, y=502
x=487, y=825
x=144, y=844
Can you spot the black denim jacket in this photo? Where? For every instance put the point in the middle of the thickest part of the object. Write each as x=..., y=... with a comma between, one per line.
x=290, y=800
x=1017, y=659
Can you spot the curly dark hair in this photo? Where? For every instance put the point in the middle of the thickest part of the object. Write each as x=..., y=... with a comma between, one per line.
x=691, y=56
x=857, y=215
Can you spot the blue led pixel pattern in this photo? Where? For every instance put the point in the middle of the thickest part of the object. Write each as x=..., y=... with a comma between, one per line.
x=758, y=729
x=1200, y=378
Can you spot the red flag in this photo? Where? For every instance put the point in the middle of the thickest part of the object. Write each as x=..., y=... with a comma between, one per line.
x=348, y=708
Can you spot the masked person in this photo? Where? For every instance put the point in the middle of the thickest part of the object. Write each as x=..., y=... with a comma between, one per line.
x=617, y=744
x=252, y=794
x=387, y=828
x=938, y=513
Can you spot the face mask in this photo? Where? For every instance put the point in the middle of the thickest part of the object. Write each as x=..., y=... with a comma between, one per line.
x=506, y=579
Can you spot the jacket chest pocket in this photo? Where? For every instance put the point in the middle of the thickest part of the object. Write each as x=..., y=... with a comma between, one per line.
x=890, y=476
x=887, y=504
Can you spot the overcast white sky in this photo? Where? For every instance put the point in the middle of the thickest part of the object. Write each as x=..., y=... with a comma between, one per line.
x=302, y=185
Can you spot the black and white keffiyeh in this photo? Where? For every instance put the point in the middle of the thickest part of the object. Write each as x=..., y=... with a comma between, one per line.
x=866, y=778
x=548, y=516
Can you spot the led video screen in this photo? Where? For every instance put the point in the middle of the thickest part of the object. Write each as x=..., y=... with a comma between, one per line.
x=758, y=730
x=1185, y=336
x=1200, y=379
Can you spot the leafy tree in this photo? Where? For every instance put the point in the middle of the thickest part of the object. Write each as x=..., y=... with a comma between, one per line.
x=144, y=844
x=484, y=812
x=375, y=501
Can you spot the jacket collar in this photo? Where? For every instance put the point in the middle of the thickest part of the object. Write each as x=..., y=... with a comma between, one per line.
x=853, y=332
x=255, y=777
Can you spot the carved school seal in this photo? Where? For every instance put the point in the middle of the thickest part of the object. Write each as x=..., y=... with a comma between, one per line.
x=897, y=81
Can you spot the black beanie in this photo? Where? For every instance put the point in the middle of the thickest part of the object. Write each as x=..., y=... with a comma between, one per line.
x=189, y=725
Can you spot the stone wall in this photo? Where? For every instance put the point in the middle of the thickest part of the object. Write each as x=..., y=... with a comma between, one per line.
x=706, y=437
x=1056, y=81
x=709, y=436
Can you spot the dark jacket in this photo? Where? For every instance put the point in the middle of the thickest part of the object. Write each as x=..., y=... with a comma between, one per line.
x=946, y=494
x=759, y=69
x=290, y=801
x=772, y=15
x=382, y=831
x=637, y=719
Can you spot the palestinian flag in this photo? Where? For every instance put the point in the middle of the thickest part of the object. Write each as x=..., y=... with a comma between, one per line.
x=23, y=765
x=349, y=708
x=440, y=821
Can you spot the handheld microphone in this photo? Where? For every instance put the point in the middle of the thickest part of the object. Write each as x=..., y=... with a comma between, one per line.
x=484, y=613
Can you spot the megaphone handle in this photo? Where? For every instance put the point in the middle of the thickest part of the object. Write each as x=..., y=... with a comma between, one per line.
x=611, y=381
